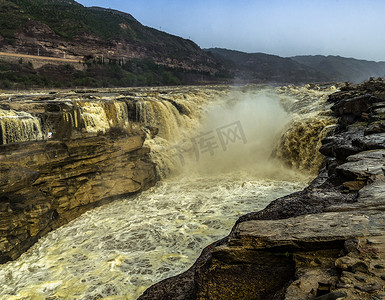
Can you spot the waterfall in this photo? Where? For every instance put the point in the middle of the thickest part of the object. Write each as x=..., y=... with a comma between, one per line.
x=71, y=115
x=176, y=115
x=293, y=118
x=285, y=123
x=299, y=144
x=220, y=140
x=16, y=126
x=101, y=115
x=311, y=121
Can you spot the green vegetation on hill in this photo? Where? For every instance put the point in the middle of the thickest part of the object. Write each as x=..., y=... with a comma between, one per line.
x=66, y=18
x=11, y=19
x=138, y=72
x=77, y=29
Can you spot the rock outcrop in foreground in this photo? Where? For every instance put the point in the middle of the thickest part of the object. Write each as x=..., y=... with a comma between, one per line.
x=325, y=242
x=48, y=182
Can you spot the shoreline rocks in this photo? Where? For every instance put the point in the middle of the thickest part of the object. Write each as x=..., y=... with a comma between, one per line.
x=325, y=242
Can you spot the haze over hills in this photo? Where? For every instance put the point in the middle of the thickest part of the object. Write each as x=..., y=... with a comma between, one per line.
x=111, y=48
x=266, y=67
x=343, y=69
x=298, y=68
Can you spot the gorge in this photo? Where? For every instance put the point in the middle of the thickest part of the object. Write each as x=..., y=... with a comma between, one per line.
x=135, y=164
x=87, y=149
x=324, y=242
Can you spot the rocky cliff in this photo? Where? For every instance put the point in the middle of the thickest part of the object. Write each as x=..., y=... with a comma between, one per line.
x=325, y=242
x=61, y=155
x=93, y=33
x=114, y=48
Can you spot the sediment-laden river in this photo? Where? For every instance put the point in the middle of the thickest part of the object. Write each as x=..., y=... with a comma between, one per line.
x=215, y=168
x=124, y=247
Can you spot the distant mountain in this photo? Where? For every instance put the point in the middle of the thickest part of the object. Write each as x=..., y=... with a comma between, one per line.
x=272, y=68
x=343, y=69
x=94, y=46
x=260, y=67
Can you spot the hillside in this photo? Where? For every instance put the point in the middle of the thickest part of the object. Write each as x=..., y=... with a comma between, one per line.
x=99, y=37
x=99, y=47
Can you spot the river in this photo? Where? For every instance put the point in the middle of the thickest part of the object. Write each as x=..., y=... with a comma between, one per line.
x=118, y=250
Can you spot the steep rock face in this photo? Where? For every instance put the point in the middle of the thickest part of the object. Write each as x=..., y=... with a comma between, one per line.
x=47, y=183
x=325, y=242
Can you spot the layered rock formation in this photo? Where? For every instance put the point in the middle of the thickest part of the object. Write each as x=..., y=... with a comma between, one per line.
x=325, y=242
x=57, y=161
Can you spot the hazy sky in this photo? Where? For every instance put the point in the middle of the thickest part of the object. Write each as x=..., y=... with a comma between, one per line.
x=350, y=28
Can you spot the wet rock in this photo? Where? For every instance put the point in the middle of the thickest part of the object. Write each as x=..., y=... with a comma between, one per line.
x=375, y=127
x=321, y=228
x=341, y=145
x=14, y=178
x=310, y=282
x=370, y=197
x=355, y=105
x=364, y=165
x=372, y=141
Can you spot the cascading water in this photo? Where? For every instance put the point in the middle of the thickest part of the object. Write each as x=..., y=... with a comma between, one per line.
x=19, y=126
x=310, y=123
x=220, y=143
x=86, y=116
x=99, y=116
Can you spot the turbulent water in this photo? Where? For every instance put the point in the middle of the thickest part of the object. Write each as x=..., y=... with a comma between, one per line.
x=124, y=247
x=214, y=153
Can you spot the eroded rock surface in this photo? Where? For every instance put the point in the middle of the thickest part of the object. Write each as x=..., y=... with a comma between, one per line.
x=48, y=182
x=325, y=242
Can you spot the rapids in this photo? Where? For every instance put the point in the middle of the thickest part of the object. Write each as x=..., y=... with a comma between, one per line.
x=124, y=247
x=214, y=157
